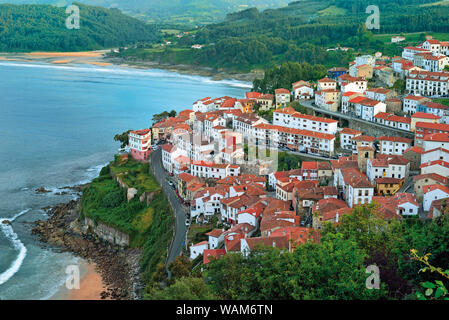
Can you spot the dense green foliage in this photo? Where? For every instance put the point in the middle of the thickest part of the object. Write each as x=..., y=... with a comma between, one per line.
x=42, y=27
x=192, y=12
x=335, y=267
x=287, y=73
x=150, y=227
x=288, y=161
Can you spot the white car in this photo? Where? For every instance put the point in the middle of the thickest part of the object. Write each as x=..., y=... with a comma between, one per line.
x=187, y=222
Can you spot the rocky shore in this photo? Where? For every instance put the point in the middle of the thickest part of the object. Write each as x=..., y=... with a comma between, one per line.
x=118, y=267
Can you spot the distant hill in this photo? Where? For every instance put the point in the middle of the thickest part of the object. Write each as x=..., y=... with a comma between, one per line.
x=171, y=11
x=42, y=27
x=301, y=32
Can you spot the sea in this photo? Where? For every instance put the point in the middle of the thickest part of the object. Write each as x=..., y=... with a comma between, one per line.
x=57, y=124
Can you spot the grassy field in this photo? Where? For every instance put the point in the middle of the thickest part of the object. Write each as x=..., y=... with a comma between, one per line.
x=136, y=175
x=332, y=11
x=439, y=3
x=412, y=38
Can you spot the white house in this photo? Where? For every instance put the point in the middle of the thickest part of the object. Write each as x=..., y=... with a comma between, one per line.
x=394, y=145
x=216, y=238
x=198, y=249
x=440, y=167
x=434, y=192
x=368, y=108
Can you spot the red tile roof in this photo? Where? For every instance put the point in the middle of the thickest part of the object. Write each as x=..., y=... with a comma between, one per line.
x=422, y=115
x=212, y=253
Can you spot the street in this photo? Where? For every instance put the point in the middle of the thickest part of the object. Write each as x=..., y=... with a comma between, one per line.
x=180, y=228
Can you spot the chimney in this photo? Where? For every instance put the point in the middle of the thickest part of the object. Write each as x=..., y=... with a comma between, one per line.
x=336, y=218
x=274, y=244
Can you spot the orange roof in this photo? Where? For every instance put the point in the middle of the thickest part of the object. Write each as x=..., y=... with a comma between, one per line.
x=212, y=253
x=281, y=91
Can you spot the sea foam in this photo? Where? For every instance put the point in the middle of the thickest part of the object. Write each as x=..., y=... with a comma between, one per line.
x=8, y=231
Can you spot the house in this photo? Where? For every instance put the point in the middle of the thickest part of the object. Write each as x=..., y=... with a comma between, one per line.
x=314, y=170
x=410, y=52
x=410, y=103
x=436, y=140
x=282, y=97
x=368, y=108
x=385, y=75
x=427, y=83
x=246, y=105
x=359, y=84
x=329, y=210
x=167, y=163
x=198, y=249
x=277, y=220
x=440, y=167
x=423, y=117
x=336, y=72
x=388, y=186
x=362, y=141
x=288, y=117
x=346, y=138
x=349, y=96
x=364, y=71
x=430, y=62
x=204, y=169
x=184, y=181
x=436, y=109
x=251, y=216
x=394, y=145
x=283, y=176
x=396, y=39
x=423, y=129
x=139, y=144
x=326, y=84
x=387, y=166
x=414, y=155
x=265, y=102
x=394, y=121
x=216, y=237
x=302, y=90
x=328, y=99
x=428, y=179
x=379, y=94
x=438, y=208
x=434, y=192
x=234, y=236
x=401, y=204
x=357, y=189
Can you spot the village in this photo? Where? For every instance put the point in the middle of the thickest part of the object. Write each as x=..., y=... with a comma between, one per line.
x=221, y=156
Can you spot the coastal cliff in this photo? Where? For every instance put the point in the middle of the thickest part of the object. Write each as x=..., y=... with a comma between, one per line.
x=122, y=222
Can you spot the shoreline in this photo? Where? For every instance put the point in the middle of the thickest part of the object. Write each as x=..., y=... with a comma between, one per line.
x=98, y=58
x=91, y=285
x=106, y=271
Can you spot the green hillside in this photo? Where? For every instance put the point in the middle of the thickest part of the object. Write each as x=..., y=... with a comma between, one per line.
x=301, y=32
x=174, y=11
x=42, y=27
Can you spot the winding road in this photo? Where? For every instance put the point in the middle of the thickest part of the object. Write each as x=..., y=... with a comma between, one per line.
x=180, y=228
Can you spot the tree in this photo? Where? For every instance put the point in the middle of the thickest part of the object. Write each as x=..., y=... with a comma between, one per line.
x=180, y=267
x=183, y=289
x=123, y=138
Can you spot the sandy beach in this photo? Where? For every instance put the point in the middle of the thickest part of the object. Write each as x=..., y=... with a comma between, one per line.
x=91, y=285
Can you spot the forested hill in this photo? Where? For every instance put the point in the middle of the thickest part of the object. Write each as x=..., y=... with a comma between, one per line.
x=42, y=27
x=302, y=32
x=192, y=12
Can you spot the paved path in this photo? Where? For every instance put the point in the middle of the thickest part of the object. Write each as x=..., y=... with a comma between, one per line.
x=180, y=228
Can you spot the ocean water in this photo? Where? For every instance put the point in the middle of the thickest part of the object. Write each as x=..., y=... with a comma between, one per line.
x=56, y=129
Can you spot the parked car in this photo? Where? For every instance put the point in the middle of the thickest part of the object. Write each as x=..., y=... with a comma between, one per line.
x=187, y=222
